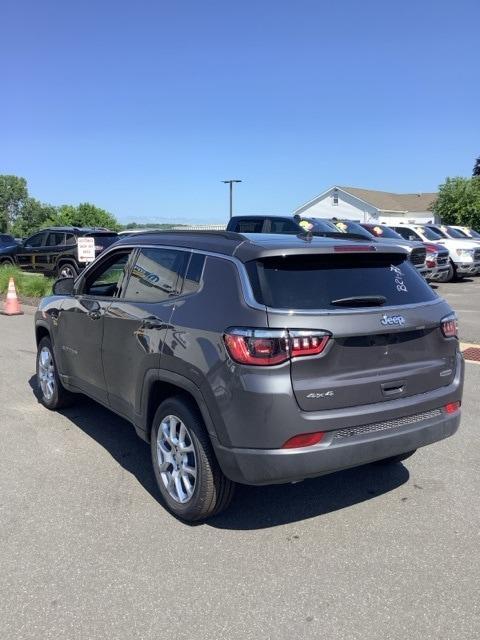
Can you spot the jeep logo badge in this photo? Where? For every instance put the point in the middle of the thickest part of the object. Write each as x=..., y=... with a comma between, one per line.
x=389, y=321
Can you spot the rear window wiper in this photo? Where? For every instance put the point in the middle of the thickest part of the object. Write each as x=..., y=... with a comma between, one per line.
x=360, y=301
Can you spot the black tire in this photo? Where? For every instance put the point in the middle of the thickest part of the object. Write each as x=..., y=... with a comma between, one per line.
x=455, y=276
x=65, y=267
x=212, y=491
x=396, y=459
x=60, y=397
x=450, y=274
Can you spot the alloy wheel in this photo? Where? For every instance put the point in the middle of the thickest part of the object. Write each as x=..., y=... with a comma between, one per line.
x=66, y=271
x=46, y=373
x=176, y=459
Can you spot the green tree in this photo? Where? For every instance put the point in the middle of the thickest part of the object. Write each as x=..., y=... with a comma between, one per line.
x=32, y=216
x=476, y=168
x=458, y=202
x=85, y=215
x=13, y=193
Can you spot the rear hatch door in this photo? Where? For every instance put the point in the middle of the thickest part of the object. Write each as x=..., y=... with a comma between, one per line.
x=376, y=353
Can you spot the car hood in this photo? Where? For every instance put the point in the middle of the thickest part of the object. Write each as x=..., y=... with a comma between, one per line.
x=406, y=244
x=453, y=243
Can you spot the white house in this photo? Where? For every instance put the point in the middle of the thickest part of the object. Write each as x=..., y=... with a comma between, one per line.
x=366, y=205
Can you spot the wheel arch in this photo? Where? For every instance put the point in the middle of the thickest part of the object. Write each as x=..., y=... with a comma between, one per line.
x=41, y=331
x=160, y=385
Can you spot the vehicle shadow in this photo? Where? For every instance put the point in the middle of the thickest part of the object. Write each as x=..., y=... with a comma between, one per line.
x=252, y=507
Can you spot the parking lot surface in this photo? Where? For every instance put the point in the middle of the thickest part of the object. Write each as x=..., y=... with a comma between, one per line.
x=88, y=552
x=464, y=297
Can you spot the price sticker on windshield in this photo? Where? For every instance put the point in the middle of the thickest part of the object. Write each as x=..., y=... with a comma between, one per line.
x=86, y=249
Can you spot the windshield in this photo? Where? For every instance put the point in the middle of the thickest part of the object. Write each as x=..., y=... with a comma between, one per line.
x=454, y=233
x=430, y=234
x=474, y=234
x=323, y=225
x=463, y=234
x=347, y=226
x=381, y=231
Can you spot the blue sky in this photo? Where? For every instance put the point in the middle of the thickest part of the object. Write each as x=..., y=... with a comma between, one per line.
x=144, y=107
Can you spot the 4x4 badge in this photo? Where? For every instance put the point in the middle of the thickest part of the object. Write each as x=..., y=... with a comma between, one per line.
x=388, y=321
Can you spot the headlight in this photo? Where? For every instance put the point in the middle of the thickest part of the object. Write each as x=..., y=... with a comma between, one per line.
x=465, y=253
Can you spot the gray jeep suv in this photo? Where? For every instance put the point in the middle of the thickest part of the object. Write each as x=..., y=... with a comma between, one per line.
x=254, y=358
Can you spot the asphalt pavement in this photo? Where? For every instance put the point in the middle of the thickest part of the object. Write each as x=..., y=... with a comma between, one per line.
x=464, y=297
x=87, y=551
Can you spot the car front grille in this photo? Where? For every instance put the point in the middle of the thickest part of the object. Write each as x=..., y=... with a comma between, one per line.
x=341, y=434
x=442, y=258
x=418, y=256
x=476, y=255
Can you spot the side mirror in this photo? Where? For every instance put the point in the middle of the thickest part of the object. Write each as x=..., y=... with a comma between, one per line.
x=63, y=287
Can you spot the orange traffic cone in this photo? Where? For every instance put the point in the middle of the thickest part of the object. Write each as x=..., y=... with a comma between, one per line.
x=12, y=305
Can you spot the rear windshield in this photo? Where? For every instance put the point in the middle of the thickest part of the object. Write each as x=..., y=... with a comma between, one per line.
x=317, y=281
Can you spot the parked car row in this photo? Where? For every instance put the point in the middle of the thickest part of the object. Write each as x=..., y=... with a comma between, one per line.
x=439, y=252
x=53, y=251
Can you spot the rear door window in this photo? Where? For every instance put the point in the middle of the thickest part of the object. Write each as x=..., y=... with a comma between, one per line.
x=156, y=275
x=324, y=281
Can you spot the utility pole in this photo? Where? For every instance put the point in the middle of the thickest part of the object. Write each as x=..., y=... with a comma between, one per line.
x=231, y=183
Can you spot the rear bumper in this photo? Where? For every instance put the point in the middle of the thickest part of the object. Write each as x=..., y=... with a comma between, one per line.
x=273, y=466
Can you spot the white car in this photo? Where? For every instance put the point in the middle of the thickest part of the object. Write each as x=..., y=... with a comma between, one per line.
x=467, y=232
x=464, y=252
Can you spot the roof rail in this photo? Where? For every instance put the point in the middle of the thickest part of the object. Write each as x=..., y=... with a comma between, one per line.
x=229, y=235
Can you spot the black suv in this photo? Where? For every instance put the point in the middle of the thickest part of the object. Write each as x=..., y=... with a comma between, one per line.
x=256, y=358
x=53, y=251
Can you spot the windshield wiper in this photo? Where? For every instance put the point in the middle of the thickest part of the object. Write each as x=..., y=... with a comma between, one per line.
x=360, y=301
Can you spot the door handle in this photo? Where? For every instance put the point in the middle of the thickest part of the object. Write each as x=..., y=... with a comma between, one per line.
x=393, y=388
x=153, y=324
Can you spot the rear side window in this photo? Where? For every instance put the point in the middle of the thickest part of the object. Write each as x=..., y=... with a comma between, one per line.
x=55, y=239
x=156, y=275
x=317, y=281
x=248, y=226
x=193, y=276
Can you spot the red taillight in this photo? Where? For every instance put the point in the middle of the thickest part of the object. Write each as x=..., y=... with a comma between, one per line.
x=303, y=440
x=263, y=347
x=449, y=327
x=304, y=343
x=452, y=407
x=248, y=348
